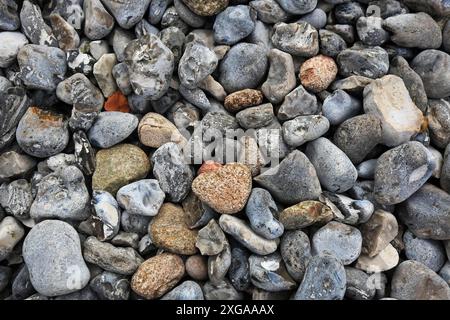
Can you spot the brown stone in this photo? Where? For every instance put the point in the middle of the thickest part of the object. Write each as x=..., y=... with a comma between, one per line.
x=317, y=73
x=378, y=232
x=197, y=267
x=208, y=166
x=170, y=230
x=240, y=100
x=225, y=190
x=155, y=130
x=305, y=214
x=157, y=275
x=206, y=7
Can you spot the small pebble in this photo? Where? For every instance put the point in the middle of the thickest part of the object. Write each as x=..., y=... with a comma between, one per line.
x=269, y=273
x=143, y=197
x=305, y=214
x=295, y=250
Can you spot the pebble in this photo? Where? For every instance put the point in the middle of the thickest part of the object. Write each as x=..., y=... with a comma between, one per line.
x=173, y=174
x=244, y=67
x=11, y=43
x=445, y=272
x=126, y=239
x=239, y=271
x=16, y=198
x=151, y=65
x=401, y=171
x=155, y=130
x=331, y=44
x=113, y=171
x=103, y=74
x=129, y=13
x=317, y=18
x=269, y=11
x=11, y=232
x=21, y=286
x=240, y=100
x=431, y=253
x=370, y=62
x=188, y=16
x=305, y=214
x=134, y=223
x=143, y=197
x=106, y=218
x=371, y=32
x=386, y=260
x=65, y=33
x=302, y=129
x=414, y=281
x=52, y=253
x=123, y=261
x=234, y=24
x=359, y=286
x=298, y=102
x=111, y=286
x=206, y=8
x=98, y=22
x=414, y=30
x=389, y=99
x=9, y=17
x=111, y=128
x=197, y=268
x=211, y=240
x=256, y=117
x=352, y=84
x=169, y=230
x=324, y=279
x=41, y=67
x=340, y=106
x=317, y=73
x=61, y=195
x=221, y=291
x=292, y=181
x=84, y=153
x=34, y=26
x=158, y=275
x=225, y=190
x=334, y=169
x=239, y=230
x=298, y=7
x=295, y=250
x=188, y=290
x=269, y=273
x=219, y=264
x=438, y=116
x=377, y=233
x=299, y=38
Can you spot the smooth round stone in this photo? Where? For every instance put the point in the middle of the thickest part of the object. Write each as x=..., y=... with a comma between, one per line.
x=206, y=7
x=299, y=38
x=438, y=115
x=429, y=252
x=340, y=106
x=371, y=62
x=269, y=11
x=317, y=18
x=155, y=130
x=219, y=265
x=52, y=253
x=414, y=281
x=150, y=76
x=111, y=128
x=113, y=171
x=111, y=286
x=414, y=30
x=169, y=230
x=433, y=66
x=239, y=272
x=261, y=211
x=386, y=260
x=389, y=99
x=127, y=14
x=303, y=129
x=197, y=268
x=358, y=136
x=172, y=172
x=246, y=236
x=295, y=250
x=211, y=240
x=110, y=258
x=334, y=169
x=106, y=218
x=226, y=190
x=378, y=232
x=239, y=100
x=331, y=44
x=292, y=181
x=143, y=197
x=244, y=67
x=11, y=43
x=338, y=239
x=11, y=232
x=269, y=273
x=324, y=279
x=317, y=73
x=370, y=31
x=305, y=214
x=221, y=291
x=401, y=171
x=359, y=286
x=234, y=24
x=299, y=102
x=298, y=7
x=188, y=290
x=98, y=22
x=157, y=275
x=256, y=117
x=42, y=133
x=61, y=195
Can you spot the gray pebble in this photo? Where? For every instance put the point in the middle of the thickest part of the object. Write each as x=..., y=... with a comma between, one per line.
x=219, y=264
x=127, y=14
x=256, y=117
x=106, y=218
x=157, y=9
x=143, y=197
x=302, y=129
x=12, y=42
x=444, y=273
x=188, y=290
x=438, y=115
x=371, y=32
x=371, y=62
x=9, y=16
x=298, y=103
x=295, y=250
x=298, y=7
x=348, y=13
x=111, y=128
x=171, y=18
x=211, y=240
x=34, y=26
x=16, y=198
x=269, y=273
x=197, y=97
x=366, y=169
x=239, y=272
x=84, y=153
x=269, y=11
x=11, y=232
x=221, y=291
x=359, y=286
x=317, y=18
x=21, y=286
x=98, y=23
x=429, y=252
x=299, y=39
x=174, y=39
x=340, y=106
x=126, y=239
x=331, y=44
x=121, y=74
x=111, y=286
x=188, y=16
x=346, y=31
x=234, y=24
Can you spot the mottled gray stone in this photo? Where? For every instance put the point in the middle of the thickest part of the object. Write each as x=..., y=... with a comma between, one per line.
x=188, y=290
x=111, y=286
x=298, y=103
x=111, y=128
x=299, y=39
x=269, y=273
x=371, y=62
x=234, y=24
x=429, y=252
x=127, y=14
x=295, y=250
x=303, y=129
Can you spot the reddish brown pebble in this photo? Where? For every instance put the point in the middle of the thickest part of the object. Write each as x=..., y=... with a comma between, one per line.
x=237, y=101
x=197, y=267
x=226, y=190
x=157, y=275
x=117, y=102
x=209, y=166
x=316, y=74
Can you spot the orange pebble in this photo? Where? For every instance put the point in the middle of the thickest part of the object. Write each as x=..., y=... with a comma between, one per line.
x=117, y=102
x=209, y=166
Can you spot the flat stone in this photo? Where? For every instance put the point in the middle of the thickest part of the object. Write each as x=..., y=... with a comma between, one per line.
x=234, y=24
x=111, y=128
x=386, y=260
x=143, y=197
x=303, y=129
x=256, y=117
x=299, y=38
x=305, y=214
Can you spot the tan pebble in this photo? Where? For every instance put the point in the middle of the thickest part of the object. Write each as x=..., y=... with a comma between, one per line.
x=305, y=214
x=155, y=130
x=240, y=100
x=317, y=73
x=197, y=267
